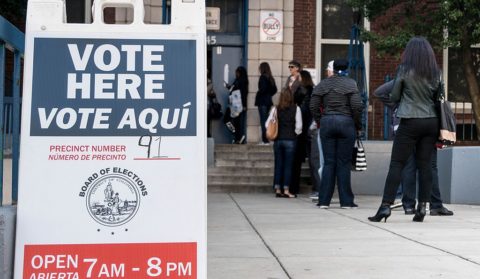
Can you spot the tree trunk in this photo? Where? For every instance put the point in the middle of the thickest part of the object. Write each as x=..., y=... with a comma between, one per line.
x=472, y=84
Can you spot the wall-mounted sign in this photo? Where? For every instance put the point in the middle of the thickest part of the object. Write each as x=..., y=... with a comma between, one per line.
x=213, y=18
x=271, y=26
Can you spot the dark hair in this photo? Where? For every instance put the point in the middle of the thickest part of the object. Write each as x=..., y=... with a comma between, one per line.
x=264, y=69
x=296, y=64
x=340, y=65
x=241, y=75
x=306, y=79
x=419, y=59
x=286, y=98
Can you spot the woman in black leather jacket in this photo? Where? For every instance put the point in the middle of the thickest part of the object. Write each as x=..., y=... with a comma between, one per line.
x=416, y=87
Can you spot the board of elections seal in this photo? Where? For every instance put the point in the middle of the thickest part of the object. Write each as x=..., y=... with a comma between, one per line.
x=113, y=200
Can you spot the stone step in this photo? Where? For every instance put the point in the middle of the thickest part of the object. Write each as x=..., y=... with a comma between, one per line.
x=244, y=163
x=215, y=187
x=251, y=171
x=244, y=148
x=235, y=155
x=258, y=179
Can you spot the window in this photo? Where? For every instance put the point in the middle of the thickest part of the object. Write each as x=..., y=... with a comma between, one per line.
x=457, y=85
x=329, y=53
x=337, y=19
x=231, y=17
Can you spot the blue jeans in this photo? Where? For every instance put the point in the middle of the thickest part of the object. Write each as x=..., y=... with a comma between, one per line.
x=314, y=159
x=338, y=138
x=263, y=113
x=409, y=183
x=284, y=152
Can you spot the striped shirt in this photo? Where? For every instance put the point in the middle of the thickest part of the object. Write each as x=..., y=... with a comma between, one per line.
x=337, y=95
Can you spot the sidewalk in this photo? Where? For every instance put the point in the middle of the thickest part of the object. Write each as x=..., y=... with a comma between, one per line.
x=259, y=236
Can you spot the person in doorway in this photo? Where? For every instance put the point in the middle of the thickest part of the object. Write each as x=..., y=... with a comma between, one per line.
x=289, y=117
x=263, y=100
x=416, y=86
x=210, y=95
x=342, y=106
x=239, y=122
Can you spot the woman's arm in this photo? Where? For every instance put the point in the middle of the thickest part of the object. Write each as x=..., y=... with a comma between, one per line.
x=270, y=116
x=396, y=93
x=315, y=105
x=298, y=121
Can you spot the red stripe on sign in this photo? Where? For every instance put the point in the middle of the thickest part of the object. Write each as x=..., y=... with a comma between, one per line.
x=130, y=260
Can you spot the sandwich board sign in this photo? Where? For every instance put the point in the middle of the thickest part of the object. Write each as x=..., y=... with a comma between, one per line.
x=112, y=177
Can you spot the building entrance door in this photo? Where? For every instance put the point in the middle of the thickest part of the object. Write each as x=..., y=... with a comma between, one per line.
x=222, y=64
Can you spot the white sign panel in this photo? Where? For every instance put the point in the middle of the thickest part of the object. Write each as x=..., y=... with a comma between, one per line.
x=271, y=26
x=113, y=171
x=313, y=73
x=213, y=18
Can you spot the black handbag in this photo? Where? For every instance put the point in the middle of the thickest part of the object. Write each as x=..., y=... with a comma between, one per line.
x=215, y=108
x=447, y=122
x=359, y=161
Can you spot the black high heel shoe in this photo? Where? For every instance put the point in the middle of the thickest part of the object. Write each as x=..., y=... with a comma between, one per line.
x=420, y=212
x=383, y=212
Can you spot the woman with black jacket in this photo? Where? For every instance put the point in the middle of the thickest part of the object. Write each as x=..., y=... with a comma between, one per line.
x=263, y=100
x=416, y=87
x=302, y=98
x=240, y=83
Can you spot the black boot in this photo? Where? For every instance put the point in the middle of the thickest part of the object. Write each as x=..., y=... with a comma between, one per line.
x=420, y=212
x=383, y=212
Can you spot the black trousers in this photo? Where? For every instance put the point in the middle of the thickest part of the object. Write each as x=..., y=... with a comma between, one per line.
x=419, y=134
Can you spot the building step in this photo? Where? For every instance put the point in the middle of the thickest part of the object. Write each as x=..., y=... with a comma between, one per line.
x=237, y=155
x=247, y=168
x=249, y=188
x=244, y=148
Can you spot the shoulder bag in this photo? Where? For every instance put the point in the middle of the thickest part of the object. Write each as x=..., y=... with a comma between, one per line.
x=272, y=126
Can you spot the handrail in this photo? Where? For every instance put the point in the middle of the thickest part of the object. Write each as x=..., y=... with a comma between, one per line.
x=12, y=39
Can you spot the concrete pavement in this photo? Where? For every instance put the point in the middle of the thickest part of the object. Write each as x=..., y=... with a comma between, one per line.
x=260, y=236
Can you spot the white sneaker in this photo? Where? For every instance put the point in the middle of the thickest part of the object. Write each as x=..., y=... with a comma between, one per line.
x=323, y=207
x=353, y=206
x=314, y=195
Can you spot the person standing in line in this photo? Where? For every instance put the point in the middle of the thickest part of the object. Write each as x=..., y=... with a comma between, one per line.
x=289, y=119
x=416, y=87
x=408, y=188
x=409, y=185
x=263, y=100
x=210, y=95
x=316, y=155
x=293, y=81
x=342, y=106
x=240, y=83
x=302, y=149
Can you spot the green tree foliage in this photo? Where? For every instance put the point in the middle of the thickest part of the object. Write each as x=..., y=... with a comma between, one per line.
x=445, y=23
x=13, y=10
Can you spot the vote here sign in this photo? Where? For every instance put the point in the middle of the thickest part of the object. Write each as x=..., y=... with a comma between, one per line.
x=112, y=177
